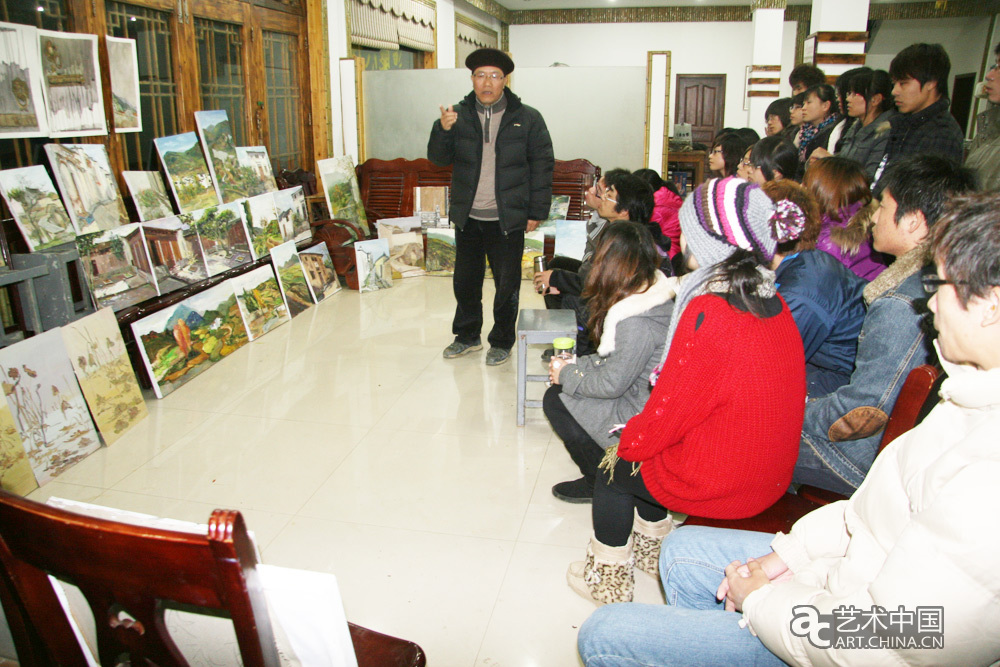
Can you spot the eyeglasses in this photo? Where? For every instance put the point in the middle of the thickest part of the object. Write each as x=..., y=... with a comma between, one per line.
x=605, y=196
x=931, y=283
x=483, y=76
x=746, y=163
x=716, y=150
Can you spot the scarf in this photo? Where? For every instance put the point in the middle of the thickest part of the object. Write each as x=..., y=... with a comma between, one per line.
x=809, y=132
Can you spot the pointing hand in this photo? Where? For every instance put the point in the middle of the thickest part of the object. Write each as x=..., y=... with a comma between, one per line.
x=448, y=118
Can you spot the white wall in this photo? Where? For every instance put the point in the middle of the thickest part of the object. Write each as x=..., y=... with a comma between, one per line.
x=445, y=34
x=477, y=15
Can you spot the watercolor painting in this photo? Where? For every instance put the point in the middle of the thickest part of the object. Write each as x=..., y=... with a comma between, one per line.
x=340, y=186
x=320, y=274
x=534, y=246
x=48, y=409
x=187, y=172
x=571, y=238
x=124, y=64
x=260, y=301
x=97, y=352
x=440, y=257
x=373, y=265
x=431, y=204
x=22, y=109
x=36, y=207
x=117, y=266
x=293, y=214
x=406, y=254
x=179, y=343
x=291, y=278
x=71, y=84
x=175, y=253
x=223, y=234
x=262, y=223
x=256, y=160
x=557, y=211
x=149, y=194
x=89, y=189
x=232, y=180
x=16, y=475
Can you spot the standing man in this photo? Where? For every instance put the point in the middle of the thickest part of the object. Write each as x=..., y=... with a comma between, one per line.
x=501, y=186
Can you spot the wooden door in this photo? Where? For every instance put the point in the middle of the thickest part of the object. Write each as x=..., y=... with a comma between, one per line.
x=701, y=101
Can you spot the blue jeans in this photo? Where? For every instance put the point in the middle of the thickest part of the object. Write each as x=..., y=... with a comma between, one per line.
x=693, y=628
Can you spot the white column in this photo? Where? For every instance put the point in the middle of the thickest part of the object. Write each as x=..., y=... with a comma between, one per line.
x=445, y=34
x=839, y=16
x=657, y=109
x=765, y=72
x=837, y=36
x=336, y=12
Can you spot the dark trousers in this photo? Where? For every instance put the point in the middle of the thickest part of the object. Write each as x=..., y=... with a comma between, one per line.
x=476, y=242
x=614, y=503
x=586, y=453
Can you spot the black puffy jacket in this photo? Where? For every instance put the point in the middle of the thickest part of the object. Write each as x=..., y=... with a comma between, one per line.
x=523, y=168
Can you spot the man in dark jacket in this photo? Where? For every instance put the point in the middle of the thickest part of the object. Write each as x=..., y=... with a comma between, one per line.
x=501, y=186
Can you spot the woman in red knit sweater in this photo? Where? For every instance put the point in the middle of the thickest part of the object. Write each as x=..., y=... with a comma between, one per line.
x=719, y=435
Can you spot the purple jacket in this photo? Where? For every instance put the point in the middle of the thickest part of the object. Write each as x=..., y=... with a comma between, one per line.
x=865, y=263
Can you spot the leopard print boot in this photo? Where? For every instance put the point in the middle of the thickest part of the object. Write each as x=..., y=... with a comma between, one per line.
x=608, y=574
x=648, y=535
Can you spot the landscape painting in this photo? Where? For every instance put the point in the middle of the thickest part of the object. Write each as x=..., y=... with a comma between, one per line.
x=320, y=274
x=260, y=301
x=97, y=352
x=232, y=181
x=262, y=223
x=557, y=211
x=15, y=469
x=71, y=84
x=179, y=343
x=340, y=186
x=124, y=65
x=373, y=265
x=255, y=158
x=36, y=207
x=22, y=110
x=175, y=252
x=431, y=204
x=89, y=189
x=291, y=278
x=534, y=246
x=293, y=214
x=149, y=194
x=571, y=238
x=406, y=254
x=440, y=258
x=187, y=171
x=223, y=234
x=49, y=411
x=117, y=266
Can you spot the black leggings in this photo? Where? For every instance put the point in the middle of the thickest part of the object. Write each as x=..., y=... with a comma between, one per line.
x=586, y=453
x=614, y=503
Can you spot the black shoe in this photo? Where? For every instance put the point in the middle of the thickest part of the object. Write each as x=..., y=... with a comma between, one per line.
x=548, y=354
x=578, y=491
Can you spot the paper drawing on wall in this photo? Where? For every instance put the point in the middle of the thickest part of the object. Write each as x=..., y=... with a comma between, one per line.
x=124, y=67
x=117, y=266
x=293, y=214
x=440, y=257
x=179, y=343
x=340, y=186
x=71, y=84
x=48, y=408
x=175, y=253
x=232, y=181
x=16, y=475
x=187, y=171
x=22, y=108
x=260, y=300
x=291, y=278
x=36, y=207
x=97, y=352
x=223, y=234
x=571, y=238
x=149, y=194
x=319, y=271
x=88, y=187
x=255, y=158
x=557, y=211
x=373, y=265
x=262, y=223
x=534, y=246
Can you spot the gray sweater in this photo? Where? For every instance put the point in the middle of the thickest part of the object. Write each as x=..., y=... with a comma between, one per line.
x=610, y=387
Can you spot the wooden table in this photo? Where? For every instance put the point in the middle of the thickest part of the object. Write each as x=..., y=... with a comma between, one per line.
x=695, y=159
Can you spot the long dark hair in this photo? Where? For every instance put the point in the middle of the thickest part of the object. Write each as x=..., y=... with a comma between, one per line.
x=741, y=272
x=625, y=263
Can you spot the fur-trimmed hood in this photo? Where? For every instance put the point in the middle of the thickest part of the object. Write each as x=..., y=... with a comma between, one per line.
x=661, y=291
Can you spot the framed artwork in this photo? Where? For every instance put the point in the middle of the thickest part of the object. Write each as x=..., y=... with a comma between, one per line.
x=175, y=253
x=16, y=475
x=440, y=257
x=340, y=186
x=293, y=214
x=557, y=211
x=124, y=66
x=431, y=204
x=36, y=207
x=320, y=274
x=373, y=265
x=187, y=172
x=260, y=300
x=222, y=231
x=117, y=266
x=262, y=223
x=149, y=194
x=571, y=238
x=231, y=181
x=71, y=84
x=534, y=246
x=291, y=278
x=256, y=160
x=89, y=189
x=22, y=107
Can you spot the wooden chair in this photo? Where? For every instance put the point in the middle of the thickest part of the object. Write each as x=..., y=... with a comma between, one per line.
x=125, y=568
x=916, y=398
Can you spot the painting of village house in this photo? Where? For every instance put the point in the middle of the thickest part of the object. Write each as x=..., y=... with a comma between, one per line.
x=340, y=185
x=97, y=352
x=149, y=194
x=291, y=278
x=175, y=253
x=124, y=65
x=49, y=411
x=71, y=84
x=117, y=266
x=256, y=160
x=89, y=189
x=22, y=112
x=232, y=181
x=15, y=470
x=177, y=344
x=262, y=223
x=319, y=271
x=260, y=301
x=37, y=209
x=187, y=172
x=223, y=234
x=373, y=265
x=293, y=214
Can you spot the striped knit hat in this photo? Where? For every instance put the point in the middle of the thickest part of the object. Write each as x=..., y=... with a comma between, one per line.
x=725, y=214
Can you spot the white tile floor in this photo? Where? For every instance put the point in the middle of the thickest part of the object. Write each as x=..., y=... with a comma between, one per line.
x=352, y=447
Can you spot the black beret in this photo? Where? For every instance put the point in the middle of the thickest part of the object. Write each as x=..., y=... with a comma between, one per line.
x=490, y=58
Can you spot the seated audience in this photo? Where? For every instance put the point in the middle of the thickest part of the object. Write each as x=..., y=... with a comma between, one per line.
x=840, y=187
x=846, y=121
x=915, y=536
x=773, y=159
x=777, y=116
x=666, y=205
x=869, y=100
x=842, y=430
x=745, y=170
x=819, y=117
x=748, y=135
x=718, y=436
x=727, y=151
x=629, y=301
x=984, y=153
x=805, y=76
x=823, y=296
x=794, y=131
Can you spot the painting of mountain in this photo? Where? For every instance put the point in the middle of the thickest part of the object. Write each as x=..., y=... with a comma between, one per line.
x=340, y=185
x=262, y=223
x=175, y=253
x=320, y=274
x=149, y=194
x=256, y=160
x=88, y=186
x=557, y=211
x=71, y=84
x=124, y=84
x=178, y=344
x=22, y=110
x=36, y=208
x=291, y=278
x=232, y=180
x=373, y=265
x=117, y=266
x=15, y=469
x=187, y=172
x=293, y=214
x=440, y=257
x=260, y=301
x=223, y=234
